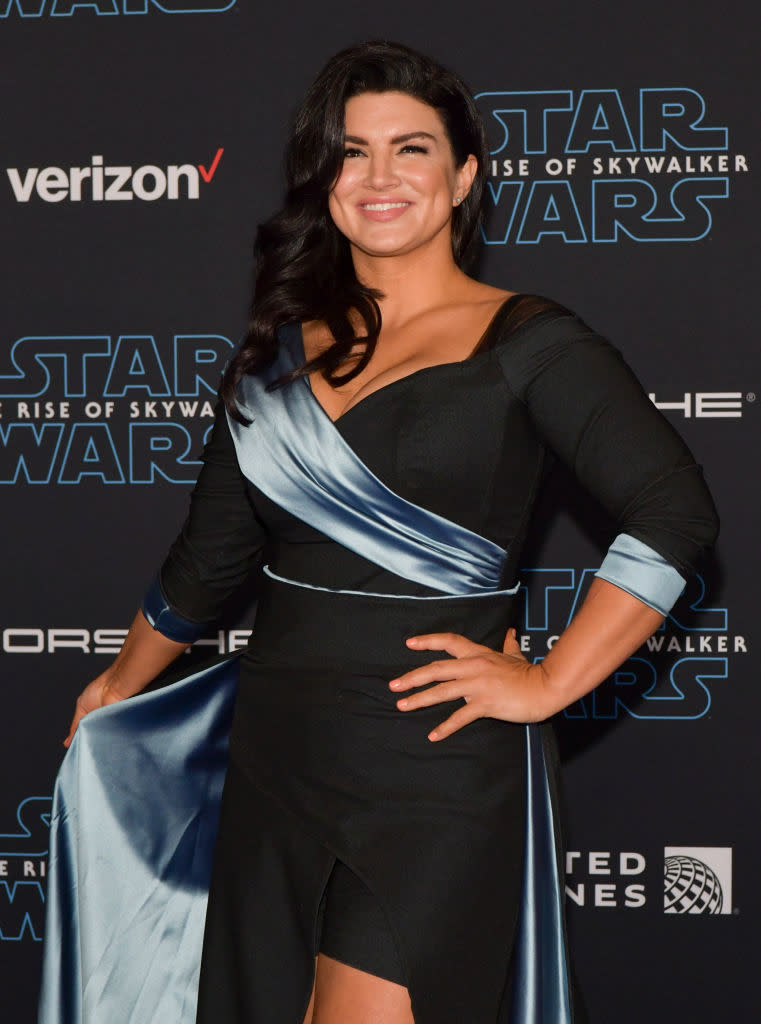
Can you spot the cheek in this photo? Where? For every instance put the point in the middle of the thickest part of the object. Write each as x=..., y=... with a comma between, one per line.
x=435, y=181
x=347, y=181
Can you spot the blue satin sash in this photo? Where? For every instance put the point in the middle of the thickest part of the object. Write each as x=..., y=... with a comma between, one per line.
x=137, y=797
x=294, y=454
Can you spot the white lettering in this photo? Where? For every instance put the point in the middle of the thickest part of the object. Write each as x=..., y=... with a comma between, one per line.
x=576, y=896
x=76, y=176
x=97, y=178
x=605, y=895
x=140, y=188
x=109, y=641
x=52, y=184
x=237, y=638
x=599, y=863
x=77, y=638
x=634, y=895
x=23, y=641
x=631, y=863
x=190, y=173
x=685, y=406
x=22, y=190
x=725, y=404
x=655, y=164
x=115, y=190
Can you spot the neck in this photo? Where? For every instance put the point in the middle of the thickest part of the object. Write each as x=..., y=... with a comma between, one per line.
x=411, y=282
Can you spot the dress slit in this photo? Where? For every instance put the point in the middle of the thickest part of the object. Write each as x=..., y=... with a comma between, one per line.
x=357, y=928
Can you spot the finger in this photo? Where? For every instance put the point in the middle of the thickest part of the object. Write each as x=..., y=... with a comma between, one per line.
x=78, y=716
x=454, y=690
x=72, y=730
x=453, y=643
x=511, y=644
x=459, y=718
x=440, y=671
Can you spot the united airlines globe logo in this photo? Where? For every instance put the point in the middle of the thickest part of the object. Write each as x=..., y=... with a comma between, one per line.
x=691, y=887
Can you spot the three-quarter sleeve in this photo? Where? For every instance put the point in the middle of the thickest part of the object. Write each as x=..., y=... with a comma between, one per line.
x=218, y=546
x=591, y=411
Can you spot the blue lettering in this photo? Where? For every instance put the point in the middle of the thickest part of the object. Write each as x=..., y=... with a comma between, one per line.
x=522, y=117
x=198, y=362
x=136, y=364
x=66, y=8
x=633, y=689
x=538, y=591
x=550, y=210
x=90, y=452
x=675, y=115
x=702, y=619
x=30, y=357
x=161, y=450
x=25, y=901
x=632, y=207
x=29, y=449
x=600, y=121
x=31, y=839
x=498, y=220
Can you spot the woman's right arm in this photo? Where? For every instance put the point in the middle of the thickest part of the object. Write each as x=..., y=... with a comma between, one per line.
x=144, y=654
x=219, y=545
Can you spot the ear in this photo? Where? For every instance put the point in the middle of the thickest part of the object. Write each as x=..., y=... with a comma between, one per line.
x=464, y=176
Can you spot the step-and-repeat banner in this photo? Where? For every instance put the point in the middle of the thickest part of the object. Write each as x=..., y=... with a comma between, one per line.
x=141, y=144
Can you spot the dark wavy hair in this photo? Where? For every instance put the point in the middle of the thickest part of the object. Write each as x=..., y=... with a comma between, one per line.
x=303, y=266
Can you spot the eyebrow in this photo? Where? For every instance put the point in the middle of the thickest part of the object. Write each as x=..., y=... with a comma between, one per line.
x=396, y=139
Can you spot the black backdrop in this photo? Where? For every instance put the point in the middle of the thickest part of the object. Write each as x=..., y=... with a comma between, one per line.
x=135, y=298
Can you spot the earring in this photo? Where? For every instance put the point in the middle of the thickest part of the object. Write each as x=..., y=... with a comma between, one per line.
x=458, y=200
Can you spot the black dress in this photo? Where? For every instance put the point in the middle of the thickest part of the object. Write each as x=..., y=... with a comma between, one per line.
x=335, y=797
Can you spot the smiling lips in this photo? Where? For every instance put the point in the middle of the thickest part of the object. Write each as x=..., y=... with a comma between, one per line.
x=384, y=210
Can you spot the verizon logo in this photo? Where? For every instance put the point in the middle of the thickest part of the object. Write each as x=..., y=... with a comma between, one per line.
x=99, y=182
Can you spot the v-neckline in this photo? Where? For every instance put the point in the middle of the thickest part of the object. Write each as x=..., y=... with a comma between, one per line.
x=477, y=351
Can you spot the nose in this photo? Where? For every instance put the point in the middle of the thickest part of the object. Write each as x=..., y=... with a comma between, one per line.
x=381, y=173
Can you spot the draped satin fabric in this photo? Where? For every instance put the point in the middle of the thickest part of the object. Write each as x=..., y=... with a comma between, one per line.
x=134, y=822
x=295, y=455
x=137, y=798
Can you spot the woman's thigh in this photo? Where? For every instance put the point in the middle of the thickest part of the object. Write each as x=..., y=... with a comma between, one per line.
x=346, y=995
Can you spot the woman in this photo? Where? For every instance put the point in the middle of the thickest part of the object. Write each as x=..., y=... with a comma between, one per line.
x=383, y=432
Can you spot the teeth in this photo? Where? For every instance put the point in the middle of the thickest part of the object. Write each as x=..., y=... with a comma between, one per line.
x=383, y=206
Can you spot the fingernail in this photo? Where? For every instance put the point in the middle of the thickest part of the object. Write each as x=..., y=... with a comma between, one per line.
x=395, y=684
x=413, y=641
x=402, y=704
x=433, y=736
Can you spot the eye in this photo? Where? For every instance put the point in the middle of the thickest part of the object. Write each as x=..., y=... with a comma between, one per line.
x=410, y=147
x=351, y=152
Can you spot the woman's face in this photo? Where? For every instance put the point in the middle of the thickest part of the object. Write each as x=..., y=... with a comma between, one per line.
x=399, y=182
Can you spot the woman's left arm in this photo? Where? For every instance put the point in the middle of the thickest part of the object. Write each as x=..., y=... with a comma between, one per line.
x=589, y=408
x=610, y=625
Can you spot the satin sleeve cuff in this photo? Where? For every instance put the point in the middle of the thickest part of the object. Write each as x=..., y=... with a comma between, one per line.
x=166, y=621
x=642, y=572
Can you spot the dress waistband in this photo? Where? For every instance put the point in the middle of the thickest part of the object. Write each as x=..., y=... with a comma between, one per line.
x=394, y=597
x=299, y=624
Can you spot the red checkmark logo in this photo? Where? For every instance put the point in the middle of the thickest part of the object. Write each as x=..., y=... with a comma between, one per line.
x=208, y=175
